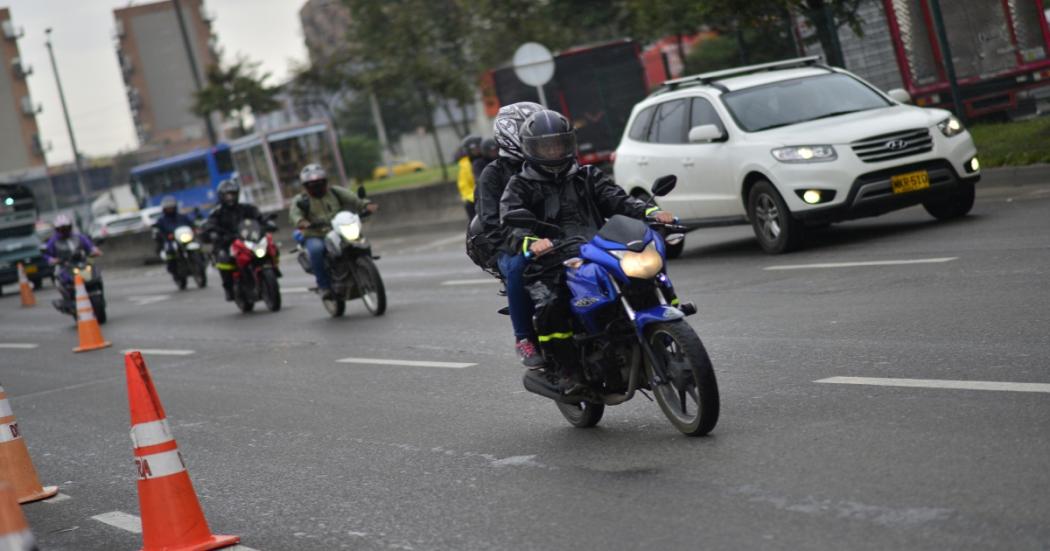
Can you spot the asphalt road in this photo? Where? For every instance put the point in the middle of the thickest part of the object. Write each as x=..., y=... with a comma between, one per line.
x=291, y=449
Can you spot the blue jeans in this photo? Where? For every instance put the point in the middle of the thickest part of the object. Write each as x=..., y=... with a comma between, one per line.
x=512, y=266
x=315, y=246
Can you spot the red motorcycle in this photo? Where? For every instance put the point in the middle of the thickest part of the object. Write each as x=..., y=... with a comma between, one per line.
x=255, y=278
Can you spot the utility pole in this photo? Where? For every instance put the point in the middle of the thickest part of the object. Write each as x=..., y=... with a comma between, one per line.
x=946, y=54
x=193, y=66
x=69, y=125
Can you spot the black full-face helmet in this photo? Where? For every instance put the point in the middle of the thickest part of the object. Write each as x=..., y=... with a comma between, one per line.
x=169, y=205
x=489, y=149
x=548, y=142
x=314, y=180
x=471, y=146
x=229, y=192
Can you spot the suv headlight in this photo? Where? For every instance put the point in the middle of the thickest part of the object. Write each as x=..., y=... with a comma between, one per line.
x=643, y=265
x=951, y=126
x=805, y=154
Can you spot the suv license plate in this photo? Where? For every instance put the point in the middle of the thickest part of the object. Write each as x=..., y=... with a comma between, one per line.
x=912, y=181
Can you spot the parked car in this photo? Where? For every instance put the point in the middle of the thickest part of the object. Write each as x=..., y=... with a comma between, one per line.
x=112, y=225
x=792, y=145
x=400, y=168
x=150, y=215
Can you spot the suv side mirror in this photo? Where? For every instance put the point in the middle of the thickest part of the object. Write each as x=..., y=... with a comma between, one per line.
x=705, y=133
x=899, y=95
x=663, y=185
x=520, y=218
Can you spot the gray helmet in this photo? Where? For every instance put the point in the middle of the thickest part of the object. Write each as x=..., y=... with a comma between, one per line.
x=229, y=192
x=507, y=124
x=169, y=202
x=311, y=173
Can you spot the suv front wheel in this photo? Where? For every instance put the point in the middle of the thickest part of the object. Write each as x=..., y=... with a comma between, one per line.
x=776, y=229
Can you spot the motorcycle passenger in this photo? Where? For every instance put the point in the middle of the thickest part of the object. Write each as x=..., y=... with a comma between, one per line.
x=576, y=199
x=65, y=242
x=222, y=226
x=490, y=187
x=469, y=150
x=170, y=219
x=312, y=211
x=488, y=151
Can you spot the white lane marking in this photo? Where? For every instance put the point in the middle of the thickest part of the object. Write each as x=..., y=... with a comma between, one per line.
x=296, y=290
x=159, y=352
x=862, y=264
x=19, y=345
x=133, y=524
x=143, y=300
x=122, y=520
x=469, y=281
x=59, y=498
x=405, y=363
x=939, y=383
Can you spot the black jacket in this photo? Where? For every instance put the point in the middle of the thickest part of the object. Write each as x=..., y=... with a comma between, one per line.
x=578, y=203
x=487, y=194
x=225, y=221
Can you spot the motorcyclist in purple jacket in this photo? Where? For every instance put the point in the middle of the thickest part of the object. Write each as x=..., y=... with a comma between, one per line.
x=65, y=242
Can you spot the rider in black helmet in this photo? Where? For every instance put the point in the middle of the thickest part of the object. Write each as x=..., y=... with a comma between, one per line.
x=576, y=199
x=165, y=226
x=221, y=228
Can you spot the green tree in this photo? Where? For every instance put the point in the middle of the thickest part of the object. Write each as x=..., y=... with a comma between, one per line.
x=361, y=156
x=235, y=91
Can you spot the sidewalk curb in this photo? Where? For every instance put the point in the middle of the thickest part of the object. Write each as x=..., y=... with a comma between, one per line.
x=1038, y=174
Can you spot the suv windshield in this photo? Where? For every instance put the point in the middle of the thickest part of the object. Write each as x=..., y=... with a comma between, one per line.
x=800, y=100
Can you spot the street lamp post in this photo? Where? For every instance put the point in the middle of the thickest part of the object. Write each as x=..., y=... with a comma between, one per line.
x=65, y=113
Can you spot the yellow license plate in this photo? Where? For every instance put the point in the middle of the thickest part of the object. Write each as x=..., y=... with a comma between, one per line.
x=31, y=269
x=912, y=181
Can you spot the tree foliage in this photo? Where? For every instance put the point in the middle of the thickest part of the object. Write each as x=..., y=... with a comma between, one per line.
x=234, y=91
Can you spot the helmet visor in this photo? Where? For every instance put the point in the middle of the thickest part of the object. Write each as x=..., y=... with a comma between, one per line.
x=551, y=148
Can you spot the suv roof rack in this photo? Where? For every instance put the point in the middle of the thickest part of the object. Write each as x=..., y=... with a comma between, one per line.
x=711, y=78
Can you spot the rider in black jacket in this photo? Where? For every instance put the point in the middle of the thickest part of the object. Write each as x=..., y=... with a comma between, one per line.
x=493, y=238
x=577, y=200
x=222, y=226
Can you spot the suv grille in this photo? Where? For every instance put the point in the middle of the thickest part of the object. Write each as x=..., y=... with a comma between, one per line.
x=893, y=146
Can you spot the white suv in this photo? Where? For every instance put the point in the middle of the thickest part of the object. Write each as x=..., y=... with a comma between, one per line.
x=791, y=145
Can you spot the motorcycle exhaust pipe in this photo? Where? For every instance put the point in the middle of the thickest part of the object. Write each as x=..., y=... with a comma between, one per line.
x=536, y=383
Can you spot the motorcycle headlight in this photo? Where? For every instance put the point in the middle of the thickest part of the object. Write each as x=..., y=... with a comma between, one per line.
x=86, y=273
x=350, y=232
x=805, y=154
x=951, y=126
x=185, y=237
x=260, y=252
x=643, y=265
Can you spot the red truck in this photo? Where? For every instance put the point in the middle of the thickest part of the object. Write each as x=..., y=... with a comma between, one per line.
x=1000, y=49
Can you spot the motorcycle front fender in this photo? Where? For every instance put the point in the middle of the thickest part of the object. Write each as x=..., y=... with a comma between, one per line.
x=656, y=314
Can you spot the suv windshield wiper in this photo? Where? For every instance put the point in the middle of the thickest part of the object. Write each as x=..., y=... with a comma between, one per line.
x=837, y=113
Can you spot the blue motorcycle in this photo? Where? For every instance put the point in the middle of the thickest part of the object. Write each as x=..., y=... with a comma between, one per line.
x=629, y=328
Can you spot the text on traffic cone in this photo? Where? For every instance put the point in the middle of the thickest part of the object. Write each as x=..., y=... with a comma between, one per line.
x=16, y=467
x=171, y=514
x=87, y=326
x=25, y=288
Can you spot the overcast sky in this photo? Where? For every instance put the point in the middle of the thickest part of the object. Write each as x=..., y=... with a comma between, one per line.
x=264, y=30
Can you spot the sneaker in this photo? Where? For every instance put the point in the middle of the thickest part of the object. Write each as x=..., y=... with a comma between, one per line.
x=528, y=353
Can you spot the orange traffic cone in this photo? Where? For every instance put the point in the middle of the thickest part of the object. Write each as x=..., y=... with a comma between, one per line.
x=26, y=289
x=14, y=531
x=171, y=515
x=87, y=325
x=16, y=467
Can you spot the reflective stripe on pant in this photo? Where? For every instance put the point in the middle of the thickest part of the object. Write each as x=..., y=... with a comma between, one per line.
x=512, y=267
x=315, y=248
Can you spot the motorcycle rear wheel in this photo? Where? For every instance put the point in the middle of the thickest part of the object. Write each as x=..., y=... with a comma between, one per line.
x=583, y=415
x=369, y=282
x=271, y=291
x=181, y=281
x=335, y=306
x=200, y=272
x=692, y=378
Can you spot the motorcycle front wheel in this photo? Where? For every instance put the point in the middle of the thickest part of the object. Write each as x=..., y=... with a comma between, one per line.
x=373, y=294
x=245, y=303
x=271, y=291
x=98, y=304
x=689, y=399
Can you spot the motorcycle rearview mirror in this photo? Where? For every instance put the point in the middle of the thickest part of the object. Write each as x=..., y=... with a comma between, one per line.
x=664, y=184
x=520, y=218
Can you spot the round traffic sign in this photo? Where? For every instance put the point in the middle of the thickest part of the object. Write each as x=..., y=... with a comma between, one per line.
x=534, y=64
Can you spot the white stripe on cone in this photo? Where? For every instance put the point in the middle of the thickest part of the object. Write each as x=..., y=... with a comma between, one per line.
x=159, y=465
x=18, y=541
x=85, y=312
x=22, y=279
x=5, y=407
x=9, y=432
x=151, y=433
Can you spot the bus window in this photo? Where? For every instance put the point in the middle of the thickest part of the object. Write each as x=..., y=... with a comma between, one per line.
x=223, y=162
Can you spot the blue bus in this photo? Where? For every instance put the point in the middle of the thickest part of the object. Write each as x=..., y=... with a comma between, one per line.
x=191, y=177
